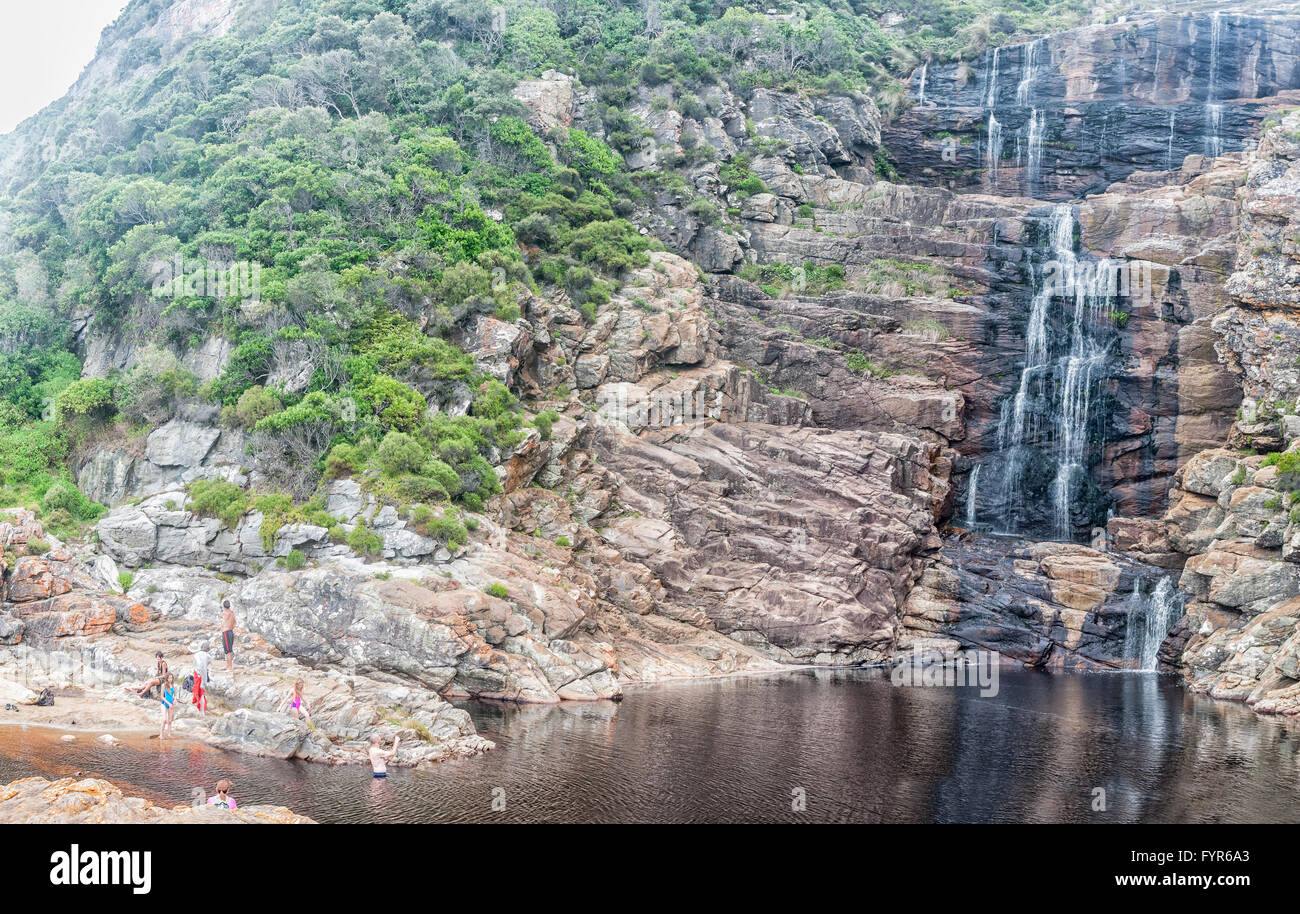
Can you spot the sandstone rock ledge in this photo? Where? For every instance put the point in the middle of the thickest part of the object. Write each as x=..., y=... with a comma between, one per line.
x=36, y=801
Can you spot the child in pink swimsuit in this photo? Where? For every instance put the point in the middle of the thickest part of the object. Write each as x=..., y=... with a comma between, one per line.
x=296, y=702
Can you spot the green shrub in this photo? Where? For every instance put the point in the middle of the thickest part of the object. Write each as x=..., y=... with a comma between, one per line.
x=37, y=546
x=447, y=530
x=93, y=398
x=364, y=541
x=1288, y=467
x=562, y=541
x=344, y=460
x=294, y=560
x=399, y=453
x=218, y=498
x=442, y=474
x=249, y=365
x=152, y=390
x=62, y=496
x=253, y=405
x=543, y=422
x=497, y=589
x=126, y=579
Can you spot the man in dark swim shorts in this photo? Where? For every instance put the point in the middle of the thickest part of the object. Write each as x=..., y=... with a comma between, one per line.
x=228, y=634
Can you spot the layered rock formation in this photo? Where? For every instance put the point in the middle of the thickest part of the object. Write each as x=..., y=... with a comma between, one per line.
x=756, y=454
x=1232, y=513
x=1065, y=115
x=1058, y=606
x=91, y=801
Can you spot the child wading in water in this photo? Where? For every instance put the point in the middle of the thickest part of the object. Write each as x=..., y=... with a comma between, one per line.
x=168, y=706
x=378, y=757
x=223, y=797
x=296, y=701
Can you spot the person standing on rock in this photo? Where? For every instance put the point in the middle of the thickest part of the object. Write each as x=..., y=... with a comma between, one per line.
x=228, y=635
x=202, y=659
x=296, y=702
x=379, y=758
x=168, y=707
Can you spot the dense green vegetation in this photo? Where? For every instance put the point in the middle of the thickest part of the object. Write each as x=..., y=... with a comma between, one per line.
x=369, y=158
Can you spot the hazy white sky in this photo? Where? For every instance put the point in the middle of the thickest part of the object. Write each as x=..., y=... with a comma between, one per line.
x=43, y=47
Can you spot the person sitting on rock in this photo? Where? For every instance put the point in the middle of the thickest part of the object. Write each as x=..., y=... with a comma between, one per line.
x=223, y=799
x=160, y=673
x=296, y=702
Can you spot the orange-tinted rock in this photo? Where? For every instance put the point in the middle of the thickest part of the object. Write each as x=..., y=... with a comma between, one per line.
x=91, y=800
x=79, y=613
x=33, y=579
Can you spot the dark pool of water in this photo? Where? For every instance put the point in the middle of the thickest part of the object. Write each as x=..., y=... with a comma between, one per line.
x=855, y=747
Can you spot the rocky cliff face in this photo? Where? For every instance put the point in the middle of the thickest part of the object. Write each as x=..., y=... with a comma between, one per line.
x=1069, y=114
x=1077, y=292
x=1232, y=511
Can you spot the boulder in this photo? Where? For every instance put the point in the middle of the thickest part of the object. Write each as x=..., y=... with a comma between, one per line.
x=181, y=444
x=37, y=801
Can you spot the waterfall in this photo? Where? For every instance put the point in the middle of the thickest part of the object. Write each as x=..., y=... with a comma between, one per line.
x=1034, y=145
x=972, y=496
x=1169, y=150
x=1015, y=432
x=920, y=101
x=1024, y=89
x=994, y=152
x=991, y=98
x=1213, y=110
x=1045, y=424
x=1149, y=621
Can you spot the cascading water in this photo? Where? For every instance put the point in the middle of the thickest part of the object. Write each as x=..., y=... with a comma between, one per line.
x=1169, y=149
x=1213, y=110
x=1034, y=145
x=991, y=97
x=1024, y=89
x=973, y=496
x=920, y=96
x=993, y=154
x=1149, y=621
x=1045, y=426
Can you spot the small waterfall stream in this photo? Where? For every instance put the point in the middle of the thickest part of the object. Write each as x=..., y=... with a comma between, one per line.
x=1034, y=145
x=994, y=149
x=1024, y=89
x=1151, y=617
x=1169, y=149
x=1214, y=110
x=1044, y=428
x=1029, y=133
